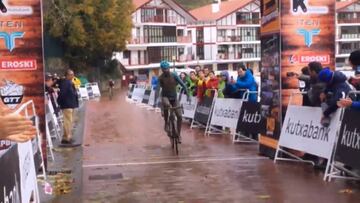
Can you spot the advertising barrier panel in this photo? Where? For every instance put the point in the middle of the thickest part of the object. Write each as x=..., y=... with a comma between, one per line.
x=348, y=145
x=188, y=108
x=203, y=111
x=303, y=131
x=251, y=119
x=226, y=112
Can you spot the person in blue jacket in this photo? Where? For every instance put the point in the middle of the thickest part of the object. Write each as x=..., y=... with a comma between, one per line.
x=245, y=81
x=154, y=82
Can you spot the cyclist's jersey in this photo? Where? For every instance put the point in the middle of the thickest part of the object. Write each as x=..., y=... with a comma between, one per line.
x=111, y=83
x=168, y=83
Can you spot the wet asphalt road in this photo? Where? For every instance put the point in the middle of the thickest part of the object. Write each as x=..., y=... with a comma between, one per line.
x=127, y=158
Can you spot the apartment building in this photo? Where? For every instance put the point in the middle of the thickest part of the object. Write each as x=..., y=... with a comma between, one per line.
x=347, y=30
x=227, y=33
x=218, y=36
x=159, y=32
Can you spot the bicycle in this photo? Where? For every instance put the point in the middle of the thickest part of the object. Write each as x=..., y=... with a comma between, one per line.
x=171, y=128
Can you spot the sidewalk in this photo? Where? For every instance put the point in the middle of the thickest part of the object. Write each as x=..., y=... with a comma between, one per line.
x=67, y=160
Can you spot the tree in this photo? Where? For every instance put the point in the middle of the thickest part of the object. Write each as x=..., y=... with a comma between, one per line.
x=90, y=30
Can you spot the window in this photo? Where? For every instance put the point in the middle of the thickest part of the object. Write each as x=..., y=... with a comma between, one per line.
x=159, y=34
x=126, y=54
x=157, y=54
x=200, y=52
x=200, y=35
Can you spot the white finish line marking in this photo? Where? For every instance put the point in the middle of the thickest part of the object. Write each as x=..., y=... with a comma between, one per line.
x=174, y=161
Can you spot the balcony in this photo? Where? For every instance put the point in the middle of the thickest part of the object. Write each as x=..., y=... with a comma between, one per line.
x=350, y=36
x=184, y=39
x=349, y=21
x=255, y=21
x=147, y=40
x=221, y=39
x=228, y=56
x=159, y=19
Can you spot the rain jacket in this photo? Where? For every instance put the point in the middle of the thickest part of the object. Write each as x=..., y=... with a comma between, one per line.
x=200, y=91
x=246, y=82
x=336, y=88
x=212, y=83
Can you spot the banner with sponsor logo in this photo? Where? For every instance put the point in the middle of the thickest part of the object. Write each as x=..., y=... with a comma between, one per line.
x=251, y=119
x=203, y=111
x=307, y=34
x=226, y=112
x=21, y=56
x=146, y=97
x=303, y=131
x=27, y=172
x=348, y=146
x=138, y=94
x=188, y=108
x=10, y=186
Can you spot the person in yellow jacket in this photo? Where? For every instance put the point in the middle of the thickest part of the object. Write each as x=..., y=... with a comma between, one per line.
x=76, y=82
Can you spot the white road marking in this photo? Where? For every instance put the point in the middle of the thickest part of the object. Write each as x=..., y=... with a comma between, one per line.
x=173, y=161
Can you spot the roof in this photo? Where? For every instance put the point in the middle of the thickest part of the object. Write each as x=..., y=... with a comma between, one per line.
x=343, y=4
x=140, y=3
x=226, y=7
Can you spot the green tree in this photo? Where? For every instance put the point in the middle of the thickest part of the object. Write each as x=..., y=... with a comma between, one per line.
x=90, y=30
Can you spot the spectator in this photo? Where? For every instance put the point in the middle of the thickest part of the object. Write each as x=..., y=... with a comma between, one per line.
x=212, y=84
x=192, y=83
x=316, y=86
x=133, y=79
x=225, y=85
x=206, y=72
x=245, y=81
x=68, y=101
x=201, y=86
x=185, y=79
x=154, y=82
x=336, y=87
x=49, y=83
x=197, y=69
x=354, y=61
x=15, y=128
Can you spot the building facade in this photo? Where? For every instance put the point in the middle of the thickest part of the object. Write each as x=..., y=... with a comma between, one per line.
x=347, y=31
x=226, y=35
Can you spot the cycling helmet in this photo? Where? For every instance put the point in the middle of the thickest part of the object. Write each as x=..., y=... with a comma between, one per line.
x=164, y=65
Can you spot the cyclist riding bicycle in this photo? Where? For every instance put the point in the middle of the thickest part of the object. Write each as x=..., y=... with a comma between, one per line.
x=111, y=83
x=168, y=82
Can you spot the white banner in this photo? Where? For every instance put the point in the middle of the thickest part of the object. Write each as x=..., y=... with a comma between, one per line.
x=303, y=131
x=189, y=108
x=152, y=98
x=138, y=94
x=226, y=112
x=27, y=171
x=96, y=90
x=83, y=93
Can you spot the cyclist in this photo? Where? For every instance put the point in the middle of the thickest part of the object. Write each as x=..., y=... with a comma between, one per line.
x=168, y=82
x=111, y=87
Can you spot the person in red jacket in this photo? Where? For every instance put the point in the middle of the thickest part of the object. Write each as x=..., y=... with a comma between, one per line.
x=212, y=84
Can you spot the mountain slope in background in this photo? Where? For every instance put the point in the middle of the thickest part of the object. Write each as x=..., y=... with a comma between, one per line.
x=191, y=4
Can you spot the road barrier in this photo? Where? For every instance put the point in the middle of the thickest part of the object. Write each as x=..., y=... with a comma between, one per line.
x=339, y=143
